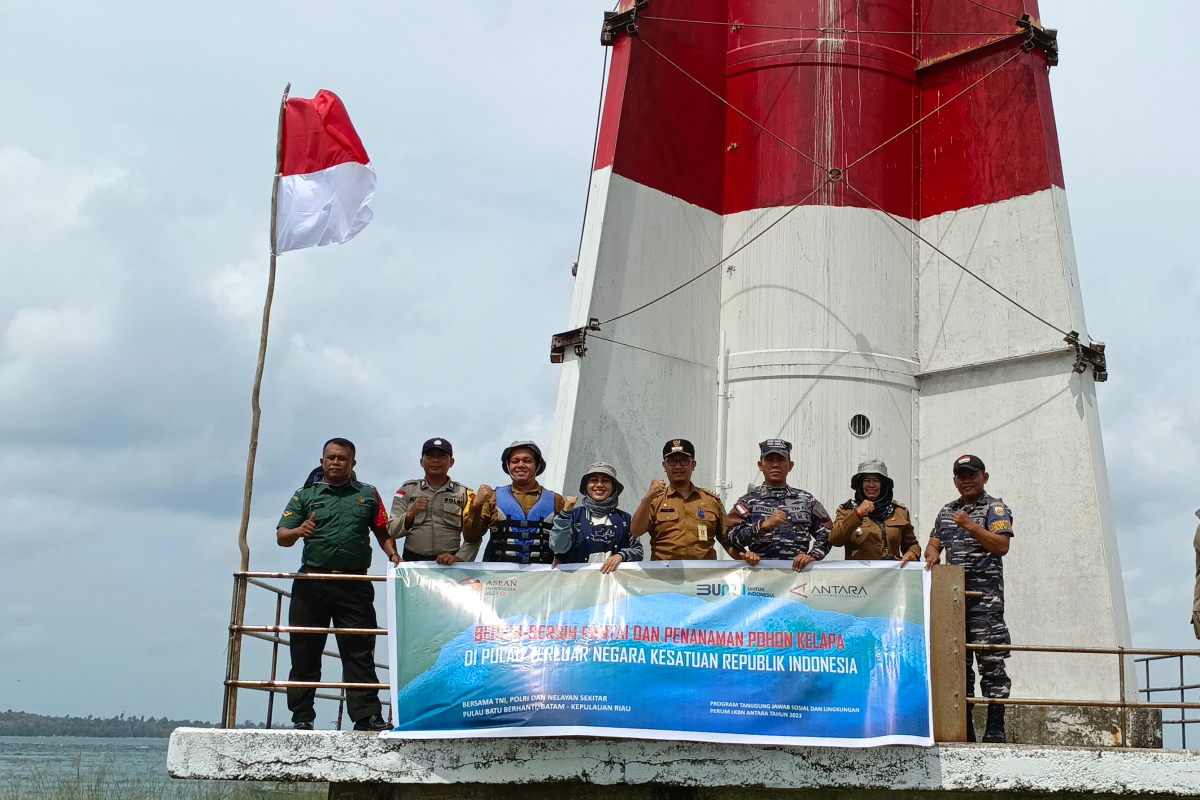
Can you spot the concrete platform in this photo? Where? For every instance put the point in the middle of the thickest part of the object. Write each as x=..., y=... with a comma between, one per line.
x=612, y=768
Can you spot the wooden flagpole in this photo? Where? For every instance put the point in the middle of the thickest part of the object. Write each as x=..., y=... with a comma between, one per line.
x=262, y=346
x=233, y=668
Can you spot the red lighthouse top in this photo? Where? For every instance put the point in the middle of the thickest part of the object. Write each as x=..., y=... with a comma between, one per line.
x=918, y=108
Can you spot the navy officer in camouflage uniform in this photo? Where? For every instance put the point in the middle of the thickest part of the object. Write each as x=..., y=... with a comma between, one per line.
x=975, y=531
x=776, y=520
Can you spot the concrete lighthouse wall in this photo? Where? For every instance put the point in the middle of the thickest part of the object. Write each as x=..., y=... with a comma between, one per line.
x=839, y=309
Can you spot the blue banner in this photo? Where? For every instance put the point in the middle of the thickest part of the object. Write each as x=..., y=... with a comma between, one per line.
x=834, y=655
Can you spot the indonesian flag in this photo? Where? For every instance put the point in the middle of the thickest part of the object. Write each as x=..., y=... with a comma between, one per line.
x=326, y=178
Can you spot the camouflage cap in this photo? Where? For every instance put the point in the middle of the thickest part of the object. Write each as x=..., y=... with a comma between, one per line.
x=783, y=448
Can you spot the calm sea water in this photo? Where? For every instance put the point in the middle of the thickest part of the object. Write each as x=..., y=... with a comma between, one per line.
x=69, y=768
x=61, y=756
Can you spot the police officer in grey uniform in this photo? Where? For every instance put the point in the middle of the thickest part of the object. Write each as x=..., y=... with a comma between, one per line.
x=428, y=514
x=975, y=531
x=776, y=520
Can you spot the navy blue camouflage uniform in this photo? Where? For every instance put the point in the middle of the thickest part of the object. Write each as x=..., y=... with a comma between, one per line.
x=805, y=531
x=984, y=573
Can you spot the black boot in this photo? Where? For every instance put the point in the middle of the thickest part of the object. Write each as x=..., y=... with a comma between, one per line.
x=995, y=725
x=970, y=722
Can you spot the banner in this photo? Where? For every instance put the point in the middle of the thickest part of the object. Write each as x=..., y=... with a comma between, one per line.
x=705, y=651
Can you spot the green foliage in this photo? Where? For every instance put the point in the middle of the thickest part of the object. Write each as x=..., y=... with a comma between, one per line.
x=104, y=783
x=19, y=723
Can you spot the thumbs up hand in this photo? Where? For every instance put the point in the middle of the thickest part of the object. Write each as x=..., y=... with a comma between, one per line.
x=308, y=527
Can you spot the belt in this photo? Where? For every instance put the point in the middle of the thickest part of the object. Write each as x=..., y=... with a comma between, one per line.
x=412, y=555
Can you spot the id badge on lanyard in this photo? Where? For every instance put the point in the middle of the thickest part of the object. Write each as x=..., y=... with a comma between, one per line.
x=702, y=528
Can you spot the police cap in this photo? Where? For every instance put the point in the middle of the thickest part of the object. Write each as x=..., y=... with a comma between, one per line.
x=679, y=446
x=438, y=444
x=972, y=463
x=779, y=446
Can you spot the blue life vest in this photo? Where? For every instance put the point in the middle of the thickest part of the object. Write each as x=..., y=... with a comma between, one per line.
x=521, y=538
x=587, y=539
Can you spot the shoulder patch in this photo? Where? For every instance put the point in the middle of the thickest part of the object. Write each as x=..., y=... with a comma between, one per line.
x=287, y=514
x=400, y=493
x=1000, y=525
x=999, y=508
x=296, y=498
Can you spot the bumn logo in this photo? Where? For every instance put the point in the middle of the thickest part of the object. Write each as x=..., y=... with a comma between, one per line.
x=725, y=590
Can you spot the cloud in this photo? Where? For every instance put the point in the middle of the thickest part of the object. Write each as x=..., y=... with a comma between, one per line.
x=41, y=200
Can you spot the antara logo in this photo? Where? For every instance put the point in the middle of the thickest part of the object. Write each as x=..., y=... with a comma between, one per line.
x=800, y=591
x=843, y=591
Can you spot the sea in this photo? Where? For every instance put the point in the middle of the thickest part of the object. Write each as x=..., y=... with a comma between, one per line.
x=78, y=768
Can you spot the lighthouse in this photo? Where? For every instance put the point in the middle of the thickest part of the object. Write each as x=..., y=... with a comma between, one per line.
x=844, y=224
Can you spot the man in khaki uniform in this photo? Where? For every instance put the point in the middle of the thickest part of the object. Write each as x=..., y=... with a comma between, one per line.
x=684, y=521
x=429, y=514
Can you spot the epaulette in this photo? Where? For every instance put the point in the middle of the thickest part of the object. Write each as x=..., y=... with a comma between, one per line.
x=711, y=494
x=898, y=504
x=414, y=482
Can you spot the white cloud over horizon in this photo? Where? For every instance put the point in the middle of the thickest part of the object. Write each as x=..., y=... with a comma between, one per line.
x=133, y=234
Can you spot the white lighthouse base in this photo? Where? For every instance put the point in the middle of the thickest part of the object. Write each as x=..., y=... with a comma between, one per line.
x=361, y=765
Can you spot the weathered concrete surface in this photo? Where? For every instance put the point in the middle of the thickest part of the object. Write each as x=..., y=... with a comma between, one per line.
x=1076, y=726
x=353, y=758
x=578, y=791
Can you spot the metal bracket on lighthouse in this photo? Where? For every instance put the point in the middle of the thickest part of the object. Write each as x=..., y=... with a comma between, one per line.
x=616, y=22
x=1044, y=39
x=575, y=339
x=1089, y=355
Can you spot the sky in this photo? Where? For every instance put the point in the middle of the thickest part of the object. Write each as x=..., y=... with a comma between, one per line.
x=136, y=153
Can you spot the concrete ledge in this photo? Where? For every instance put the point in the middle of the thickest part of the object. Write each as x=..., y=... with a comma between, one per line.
x=356, y=758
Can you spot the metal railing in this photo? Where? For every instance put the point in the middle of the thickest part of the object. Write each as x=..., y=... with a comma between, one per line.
x=1123, y=705
x=271, y=633
x=1183, y=687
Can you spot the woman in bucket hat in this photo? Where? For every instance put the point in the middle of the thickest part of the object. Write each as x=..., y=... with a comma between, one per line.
x=872, y=526
x=591, y=529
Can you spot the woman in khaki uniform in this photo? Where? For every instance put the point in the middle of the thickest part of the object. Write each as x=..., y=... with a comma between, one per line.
x=873, y=526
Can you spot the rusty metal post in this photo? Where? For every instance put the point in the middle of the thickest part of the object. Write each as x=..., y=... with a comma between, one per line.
x=948, y=652
x=274, y=658
x=233, y=654
x=341, y=708
x=1124, y=705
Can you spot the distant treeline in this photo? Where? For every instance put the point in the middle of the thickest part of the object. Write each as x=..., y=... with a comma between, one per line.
x=18, y=723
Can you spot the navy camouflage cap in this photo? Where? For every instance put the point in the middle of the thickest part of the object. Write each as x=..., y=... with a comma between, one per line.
x=783, y=448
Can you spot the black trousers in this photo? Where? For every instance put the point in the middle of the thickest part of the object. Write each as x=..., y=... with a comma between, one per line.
x=347, y=604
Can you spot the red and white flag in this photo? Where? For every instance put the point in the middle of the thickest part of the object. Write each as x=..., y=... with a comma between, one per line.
x=326, y=182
